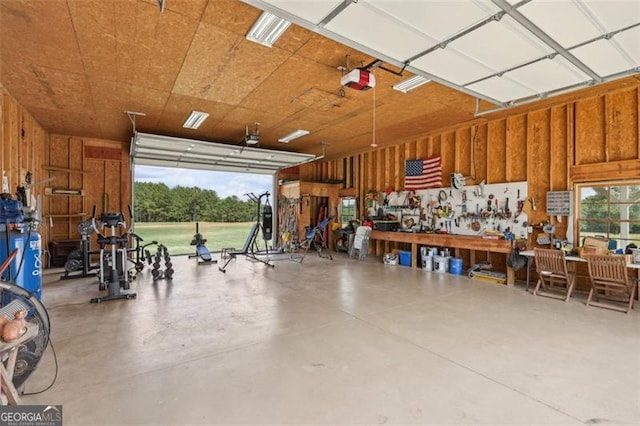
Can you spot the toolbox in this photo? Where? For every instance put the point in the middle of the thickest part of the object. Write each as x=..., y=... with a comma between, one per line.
x=386, y=225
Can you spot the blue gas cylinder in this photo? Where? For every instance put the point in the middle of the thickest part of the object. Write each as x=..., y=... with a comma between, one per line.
x=26, y=267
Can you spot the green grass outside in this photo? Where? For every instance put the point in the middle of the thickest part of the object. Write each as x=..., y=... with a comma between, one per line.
x=177, y=236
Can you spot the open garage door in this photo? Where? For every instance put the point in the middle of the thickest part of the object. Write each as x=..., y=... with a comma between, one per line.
x=167, y=151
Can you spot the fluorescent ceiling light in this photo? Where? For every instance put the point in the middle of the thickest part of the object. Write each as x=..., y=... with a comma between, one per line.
x=410, y=83
x=267, y=29
x=293, y=135
x=195, y=119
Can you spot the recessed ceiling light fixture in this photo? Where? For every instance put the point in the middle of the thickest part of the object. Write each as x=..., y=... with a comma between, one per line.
x=195, y=119
x=410, y=83
x=293, y=135
x=267, y=29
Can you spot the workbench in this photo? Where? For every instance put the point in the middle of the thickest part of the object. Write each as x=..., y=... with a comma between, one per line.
x=465, y=242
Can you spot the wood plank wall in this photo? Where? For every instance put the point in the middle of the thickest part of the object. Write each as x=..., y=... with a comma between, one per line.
x=24, y=144
x=595, y=138
x=101, y=168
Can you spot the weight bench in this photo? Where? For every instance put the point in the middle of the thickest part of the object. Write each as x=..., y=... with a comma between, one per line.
x=246, y=250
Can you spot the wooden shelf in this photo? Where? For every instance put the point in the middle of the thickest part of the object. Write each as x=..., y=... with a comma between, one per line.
x=62, y=169
x=64, y=192
x=66, y=215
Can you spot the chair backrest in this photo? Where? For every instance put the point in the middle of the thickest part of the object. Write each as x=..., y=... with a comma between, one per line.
x=550, y=261
x=362, y=234
x=608, y=269
x=324, y=222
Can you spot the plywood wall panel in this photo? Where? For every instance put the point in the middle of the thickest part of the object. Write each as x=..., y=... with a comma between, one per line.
x=622, y=125
x=558, y=137
x=95, y=175
x=59, y=158
x=463, y=151
x=24, y=146
x=389, y=166
x=379, y=170
x=435, y=146
x=11, y=126
x=399, y=158
x=371, y=171
x=448, y=154
x=496, y=151
x=340, y=164
x=538, y=160
x=479, y=154
x=410, y=151
x=590, y=146
x=422, y=148
x=516, y=148
x=112, y=186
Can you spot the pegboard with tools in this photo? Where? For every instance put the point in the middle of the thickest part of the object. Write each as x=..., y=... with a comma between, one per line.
x=483, y=210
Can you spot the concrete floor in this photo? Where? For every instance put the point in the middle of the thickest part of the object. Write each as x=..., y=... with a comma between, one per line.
x=333, y=342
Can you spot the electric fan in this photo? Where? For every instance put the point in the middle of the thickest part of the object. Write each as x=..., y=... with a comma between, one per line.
x=14, y=298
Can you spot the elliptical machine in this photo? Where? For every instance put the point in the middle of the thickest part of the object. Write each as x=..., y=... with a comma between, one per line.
x=114, y=275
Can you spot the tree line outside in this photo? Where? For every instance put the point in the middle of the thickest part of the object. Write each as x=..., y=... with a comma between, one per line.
x=613, y=212
x=156, y=202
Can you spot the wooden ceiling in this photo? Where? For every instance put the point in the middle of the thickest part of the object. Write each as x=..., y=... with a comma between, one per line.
x=77, y=65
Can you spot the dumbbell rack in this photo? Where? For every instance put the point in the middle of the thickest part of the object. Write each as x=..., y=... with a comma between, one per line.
x=156, y=272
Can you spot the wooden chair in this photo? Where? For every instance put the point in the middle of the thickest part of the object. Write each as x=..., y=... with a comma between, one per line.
x=554, y=280
x=610, y=281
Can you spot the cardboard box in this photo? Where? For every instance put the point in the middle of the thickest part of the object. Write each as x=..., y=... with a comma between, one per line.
x=596, y=242
x=589, y=250
x=593, y=245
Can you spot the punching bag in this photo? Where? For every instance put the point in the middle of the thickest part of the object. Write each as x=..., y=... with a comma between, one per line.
x=267, y=222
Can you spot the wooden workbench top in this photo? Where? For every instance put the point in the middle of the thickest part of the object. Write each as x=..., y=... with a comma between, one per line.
x=445, y=240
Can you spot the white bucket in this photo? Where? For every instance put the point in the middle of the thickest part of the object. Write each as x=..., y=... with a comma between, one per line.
x=441, y=264
x=433, y=251
x=427, y=263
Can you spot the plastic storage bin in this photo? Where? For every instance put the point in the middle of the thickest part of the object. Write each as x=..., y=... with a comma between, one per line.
x=427, y=263
x=440, y=264
x=405, y=258
x=455, y=266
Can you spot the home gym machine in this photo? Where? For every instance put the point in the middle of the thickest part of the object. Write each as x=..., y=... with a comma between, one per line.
x=114, y=275
x=78, y=264
x=264, y=223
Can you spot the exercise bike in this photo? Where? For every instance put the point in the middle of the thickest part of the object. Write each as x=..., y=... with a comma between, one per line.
x=114, y=275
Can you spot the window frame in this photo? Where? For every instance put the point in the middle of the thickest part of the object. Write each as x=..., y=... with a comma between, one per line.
x=608, y=220
x=352, y=200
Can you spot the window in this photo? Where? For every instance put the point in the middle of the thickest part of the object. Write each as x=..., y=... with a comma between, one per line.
x=610, y=210
x=347, y=210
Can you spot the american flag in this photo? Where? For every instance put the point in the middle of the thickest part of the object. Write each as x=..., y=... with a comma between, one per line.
x=423, y=174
